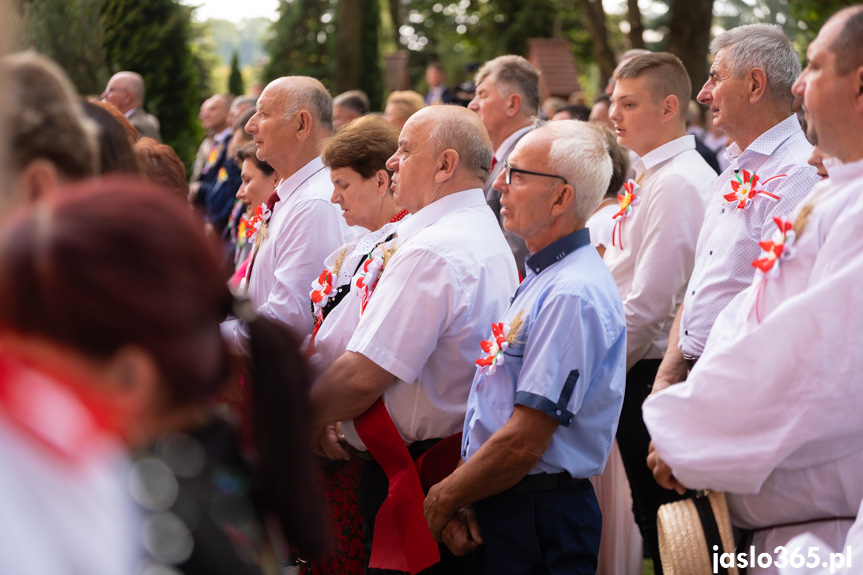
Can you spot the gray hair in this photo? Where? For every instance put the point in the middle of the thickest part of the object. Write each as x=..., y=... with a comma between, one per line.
x=516, y=74
x=762, y=46
x=579, y=154
x=355, y=100
x=313, y=97
x=244, y=102
x=469, y=139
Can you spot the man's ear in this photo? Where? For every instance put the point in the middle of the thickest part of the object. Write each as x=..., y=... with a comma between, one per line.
x=447, y=163
x=858, y=81
x=756, y=83
x=513, y=104
x=670, y=108
x=305, y=127
x=38, y=178
x=563, y=199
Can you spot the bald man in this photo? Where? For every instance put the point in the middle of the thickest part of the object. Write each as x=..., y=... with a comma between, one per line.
x=126, y=91
x=293, y=117
x=450, y=277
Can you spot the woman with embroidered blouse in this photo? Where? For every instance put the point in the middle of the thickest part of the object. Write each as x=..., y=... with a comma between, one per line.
x=356, y=157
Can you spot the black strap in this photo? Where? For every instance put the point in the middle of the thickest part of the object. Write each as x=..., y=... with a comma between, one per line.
x=711, y=529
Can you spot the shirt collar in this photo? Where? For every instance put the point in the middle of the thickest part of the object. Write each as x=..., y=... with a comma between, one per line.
x=129, y=112
x=766, y=143
x=557, y=250
x=664, y=153
x=841, y=173
x=223, y=135
x=509, y=143
x=289, y=185
x=439, y=208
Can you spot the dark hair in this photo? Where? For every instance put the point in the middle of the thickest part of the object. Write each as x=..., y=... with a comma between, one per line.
x=575, y=111
x=848, y=44
x=364, y=145
x=115, y=262
x=250, y=152
x=355, y=100
x=116, y=154
x=163, y=166
x=242, y=120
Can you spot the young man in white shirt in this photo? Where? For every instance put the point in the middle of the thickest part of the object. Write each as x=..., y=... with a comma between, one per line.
x=653, y=245
x=770, y=413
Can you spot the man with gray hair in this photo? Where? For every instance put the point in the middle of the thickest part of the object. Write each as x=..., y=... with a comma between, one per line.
x=548, y=390
x=126, y=91
x=449, y=277
x=749, y=93
x=50, y=139
x=506, y=99
x=300, y=227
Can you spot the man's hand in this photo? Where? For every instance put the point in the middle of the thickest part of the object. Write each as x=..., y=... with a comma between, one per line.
x=437, y=512
x=329, y=442
x=461, y=535
x=662, y=472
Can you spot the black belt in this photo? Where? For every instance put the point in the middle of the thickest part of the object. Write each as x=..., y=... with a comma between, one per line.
x=547, y=482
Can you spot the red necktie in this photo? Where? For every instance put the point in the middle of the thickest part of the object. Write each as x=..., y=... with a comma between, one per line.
x=271, y=204
x=493, y=164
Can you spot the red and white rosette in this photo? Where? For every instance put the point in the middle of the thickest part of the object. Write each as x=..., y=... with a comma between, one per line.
x=625, y=200
x=779, y=248
x=494, y=347
x=258, y=221
x=744, y=190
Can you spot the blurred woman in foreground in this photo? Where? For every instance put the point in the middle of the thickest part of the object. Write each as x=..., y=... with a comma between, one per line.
x=110, y=304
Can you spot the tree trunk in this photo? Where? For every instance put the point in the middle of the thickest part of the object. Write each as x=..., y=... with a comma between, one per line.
x=636, y=28
x=349, y=46
x=605, y=59
x=689, y=37
x=396, y=15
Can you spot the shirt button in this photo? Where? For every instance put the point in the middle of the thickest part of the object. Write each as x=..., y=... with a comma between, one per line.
x=711, y=253
x=557, y=412
x=693, y=292
x=686, y=332
x=569, y=420
x=723, y=210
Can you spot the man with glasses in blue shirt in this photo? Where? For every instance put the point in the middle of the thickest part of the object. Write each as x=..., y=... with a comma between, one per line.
x=546, y=397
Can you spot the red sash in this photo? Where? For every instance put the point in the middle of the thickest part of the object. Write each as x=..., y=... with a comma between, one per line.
x=402, y=540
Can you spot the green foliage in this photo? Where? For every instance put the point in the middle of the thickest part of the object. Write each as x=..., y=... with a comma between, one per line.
x=155, y=39
x=235, y=80
x=808, y=16
x=371, y=75
x=70, y=33
x=302, y=41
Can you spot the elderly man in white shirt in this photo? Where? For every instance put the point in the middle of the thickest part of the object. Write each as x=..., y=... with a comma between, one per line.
x=653, y=245
x=749, y=93
x=293, y=118
x=771, y=412
x=450, y=277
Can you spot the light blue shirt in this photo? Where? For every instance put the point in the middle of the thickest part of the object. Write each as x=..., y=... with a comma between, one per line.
x=567, y=360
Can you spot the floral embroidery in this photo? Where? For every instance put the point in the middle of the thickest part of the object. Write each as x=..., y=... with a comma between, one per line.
x=371, y=271
x=625, y=201
x=745, y=190
x=502, y=336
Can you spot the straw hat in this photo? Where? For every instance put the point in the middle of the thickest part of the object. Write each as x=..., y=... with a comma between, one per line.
x=687, y=536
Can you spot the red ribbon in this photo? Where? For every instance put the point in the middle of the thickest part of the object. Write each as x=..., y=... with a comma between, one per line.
x=402, y=540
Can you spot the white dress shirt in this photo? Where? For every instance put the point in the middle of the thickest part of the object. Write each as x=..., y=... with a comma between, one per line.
x=658, y=239
x=303, y=229
x=729, y=238
x=771, y=411
x=451, y=276
x=601, y=224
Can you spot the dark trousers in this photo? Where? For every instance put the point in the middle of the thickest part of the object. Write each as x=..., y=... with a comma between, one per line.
x=373, y=489
x=540, y=532
x=634, y=441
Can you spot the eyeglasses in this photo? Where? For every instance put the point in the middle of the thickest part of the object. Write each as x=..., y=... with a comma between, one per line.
x=509, y=170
